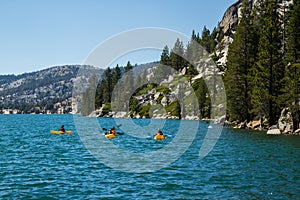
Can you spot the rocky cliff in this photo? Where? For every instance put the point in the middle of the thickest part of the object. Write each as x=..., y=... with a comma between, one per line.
x=170, y=96
x=228, y=25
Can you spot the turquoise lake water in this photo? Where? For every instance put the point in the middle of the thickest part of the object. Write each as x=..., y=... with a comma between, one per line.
x=35, y=164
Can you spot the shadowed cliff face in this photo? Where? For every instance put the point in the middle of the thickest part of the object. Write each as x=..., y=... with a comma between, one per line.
x=226, y=30
x=229, y=22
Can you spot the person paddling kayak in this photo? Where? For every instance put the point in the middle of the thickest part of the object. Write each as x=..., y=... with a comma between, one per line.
x=159, y=135
x=159, y=132
x=112, y=130
x=62, y=128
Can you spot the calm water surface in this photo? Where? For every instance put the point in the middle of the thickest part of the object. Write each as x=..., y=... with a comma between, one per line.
x=242, y=165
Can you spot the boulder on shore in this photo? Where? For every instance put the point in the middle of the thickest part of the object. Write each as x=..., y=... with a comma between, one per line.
x=220, y=120
x=274, y=131
x=285, y=122
x=256, y=124
x=242, y=125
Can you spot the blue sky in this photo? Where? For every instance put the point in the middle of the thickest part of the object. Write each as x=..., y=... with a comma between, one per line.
x=37, y=34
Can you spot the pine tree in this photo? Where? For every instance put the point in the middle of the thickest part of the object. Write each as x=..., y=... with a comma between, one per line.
x=191, y=72
x=194, y=36
x=163, y=69
x=129, y=76
x=206, y=40
x=213, y=42
x=291, y=96
x=241, y=57
x=99, y=96
x=108, y=85
x=128, y=67
x=116, y=75
x=165, y=56
x=194, y=51
x=293, y=34
x=176, y=56
x=105, y=89
x=269, y=69
x=202, y=94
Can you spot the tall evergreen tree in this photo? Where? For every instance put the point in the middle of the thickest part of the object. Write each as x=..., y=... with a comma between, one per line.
x=291, y=95
x=108, y=85
x=194, y=51
x=165, y=56
x=116, y=75
x=176, y=56
x=293, y=33
x=128, y=67
x=104, y=90
x=205, y=39
x=269, y=68
x=241, y=57
x=213, y=37
x=202, y=94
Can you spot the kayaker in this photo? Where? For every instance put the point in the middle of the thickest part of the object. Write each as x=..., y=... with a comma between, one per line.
x=112, y=130
x=159, y=132
x=159, y=135
x=62, y=128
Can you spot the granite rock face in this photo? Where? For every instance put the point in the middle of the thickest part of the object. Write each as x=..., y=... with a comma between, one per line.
x=228, y=25
x=285, y=122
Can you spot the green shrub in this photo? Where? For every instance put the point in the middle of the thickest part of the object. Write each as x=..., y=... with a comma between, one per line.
x=163, y=89
x=174, y=109
x=145, y=89
x=144, y=111
x=106, y=108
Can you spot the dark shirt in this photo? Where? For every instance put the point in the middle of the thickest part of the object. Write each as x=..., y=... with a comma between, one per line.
x=159, y=133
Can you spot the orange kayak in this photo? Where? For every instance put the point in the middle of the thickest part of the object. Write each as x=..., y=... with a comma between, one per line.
x=159, y=137
x=109, y=136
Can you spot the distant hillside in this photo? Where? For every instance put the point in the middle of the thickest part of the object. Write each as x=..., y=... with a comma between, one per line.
x=48, y=90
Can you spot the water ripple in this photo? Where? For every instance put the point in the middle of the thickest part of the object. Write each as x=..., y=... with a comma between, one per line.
x=243, y=165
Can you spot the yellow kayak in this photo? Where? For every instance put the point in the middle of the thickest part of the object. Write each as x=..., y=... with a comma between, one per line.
x=159, y=137
x=60, y=132
x=109, y=136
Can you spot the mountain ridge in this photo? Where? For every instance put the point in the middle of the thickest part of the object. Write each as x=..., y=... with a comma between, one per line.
x=45, y=91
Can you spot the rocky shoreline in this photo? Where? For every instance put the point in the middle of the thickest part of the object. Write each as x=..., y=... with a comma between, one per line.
x=283, y=127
